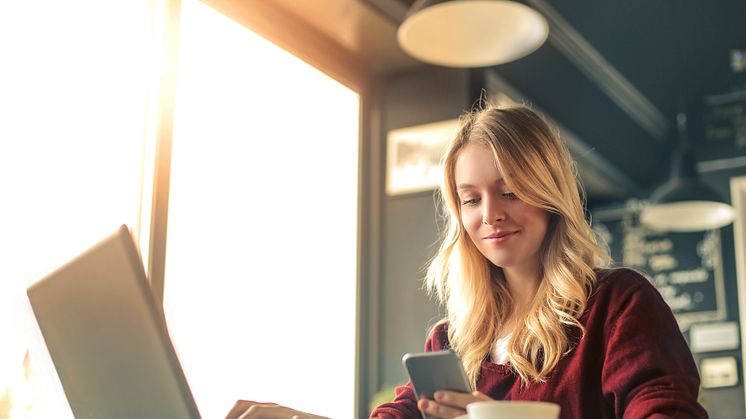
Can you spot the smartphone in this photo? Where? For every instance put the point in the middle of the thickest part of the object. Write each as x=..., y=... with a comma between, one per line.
x=433, y=371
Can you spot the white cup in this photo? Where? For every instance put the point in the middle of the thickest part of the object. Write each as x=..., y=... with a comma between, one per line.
x=504, y=409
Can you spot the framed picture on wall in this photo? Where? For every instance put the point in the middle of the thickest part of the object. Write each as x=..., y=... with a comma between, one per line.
x=413, y=156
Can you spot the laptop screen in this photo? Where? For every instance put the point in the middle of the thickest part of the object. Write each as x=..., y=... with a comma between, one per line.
x=107, y=336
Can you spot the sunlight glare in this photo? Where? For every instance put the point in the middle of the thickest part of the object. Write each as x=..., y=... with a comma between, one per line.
x=73, y=85
x=260, y=286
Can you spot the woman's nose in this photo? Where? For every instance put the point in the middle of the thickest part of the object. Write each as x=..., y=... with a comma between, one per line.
x=492, y=214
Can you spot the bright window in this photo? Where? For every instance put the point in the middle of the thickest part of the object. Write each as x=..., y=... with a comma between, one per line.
x=260, y=284
x=73, y=94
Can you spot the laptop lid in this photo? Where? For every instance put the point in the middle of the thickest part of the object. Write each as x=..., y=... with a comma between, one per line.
x=107, y=336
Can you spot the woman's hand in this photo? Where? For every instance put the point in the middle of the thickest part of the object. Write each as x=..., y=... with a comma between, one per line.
x=450, y=404
x=247, y=409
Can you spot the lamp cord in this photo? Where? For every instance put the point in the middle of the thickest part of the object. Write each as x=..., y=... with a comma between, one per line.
x=681, y=129
x=681, y=119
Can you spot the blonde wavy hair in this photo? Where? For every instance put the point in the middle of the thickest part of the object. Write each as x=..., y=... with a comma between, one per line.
x=539, y=170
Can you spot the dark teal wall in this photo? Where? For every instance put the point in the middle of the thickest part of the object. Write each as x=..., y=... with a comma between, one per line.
x=399, y=232
x=409, y=222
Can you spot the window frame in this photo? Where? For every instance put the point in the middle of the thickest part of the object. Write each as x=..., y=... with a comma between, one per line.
x=300, y=39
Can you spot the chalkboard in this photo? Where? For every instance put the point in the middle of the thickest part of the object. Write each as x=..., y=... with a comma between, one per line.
x=686, y=268
x=725, y=118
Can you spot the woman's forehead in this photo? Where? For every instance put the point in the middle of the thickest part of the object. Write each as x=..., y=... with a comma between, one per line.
x=478, y=161
x=476, y=150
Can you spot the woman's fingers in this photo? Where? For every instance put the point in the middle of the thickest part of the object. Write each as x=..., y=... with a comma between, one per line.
x=247, y=409
x=265, y=412
x=481, y=396
x=439, y=410
x=450, y=404
x=452, y=398
x=269, y=411
x=242, y=406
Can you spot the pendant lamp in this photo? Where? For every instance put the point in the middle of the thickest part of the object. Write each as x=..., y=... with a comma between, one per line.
x=471, y=33
x=683, y=203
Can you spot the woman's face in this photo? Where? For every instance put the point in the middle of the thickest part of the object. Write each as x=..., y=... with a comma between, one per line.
x=506, y=230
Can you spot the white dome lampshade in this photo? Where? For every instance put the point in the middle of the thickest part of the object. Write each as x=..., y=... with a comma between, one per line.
x=683, y=203
x=471, y=33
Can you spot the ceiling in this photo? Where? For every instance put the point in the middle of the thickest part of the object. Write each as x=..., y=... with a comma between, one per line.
x=612, y=74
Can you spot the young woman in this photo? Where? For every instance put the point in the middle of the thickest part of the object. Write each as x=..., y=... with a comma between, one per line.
x=530, y=312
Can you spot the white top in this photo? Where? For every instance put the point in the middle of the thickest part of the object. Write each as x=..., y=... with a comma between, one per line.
x=500, y=351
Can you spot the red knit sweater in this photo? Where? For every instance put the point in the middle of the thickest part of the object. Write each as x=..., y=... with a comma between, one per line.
x=632, y=363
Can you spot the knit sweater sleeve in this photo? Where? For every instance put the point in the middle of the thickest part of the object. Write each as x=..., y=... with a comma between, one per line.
x=648, y=369
x=404, y=406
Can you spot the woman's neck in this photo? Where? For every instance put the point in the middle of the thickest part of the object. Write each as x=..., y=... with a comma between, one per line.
x=522, y=284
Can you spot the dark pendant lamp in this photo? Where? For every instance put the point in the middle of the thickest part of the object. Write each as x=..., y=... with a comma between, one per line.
x=684, y=203
x=471, y=33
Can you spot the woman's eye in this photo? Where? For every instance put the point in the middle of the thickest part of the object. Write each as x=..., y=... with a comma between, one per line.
x=470, y=201
x=510, y=195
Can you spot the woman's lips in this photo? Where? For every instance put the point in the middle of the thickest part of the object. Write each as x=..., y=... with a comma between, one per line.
x=501, y=236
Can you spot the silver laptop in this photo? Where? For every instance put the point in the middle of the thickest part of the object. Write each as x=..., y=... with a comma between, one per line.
x=107, y=336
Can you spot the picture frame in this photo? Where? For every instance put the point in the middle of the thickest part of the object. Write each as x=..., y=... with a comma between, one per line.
x=413, y=156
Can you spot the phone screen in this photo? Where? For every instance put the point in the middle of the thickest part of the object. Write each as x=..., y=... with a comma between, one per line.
x=433, y=371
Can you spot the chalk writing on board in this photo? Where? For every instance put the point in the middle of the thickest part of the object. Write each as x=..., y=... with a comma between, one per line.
x=725, y=118
x=686, y=268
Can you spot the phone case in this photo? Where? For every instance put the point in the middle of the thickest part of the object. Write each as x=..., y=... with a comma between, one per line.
x=433, y=371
